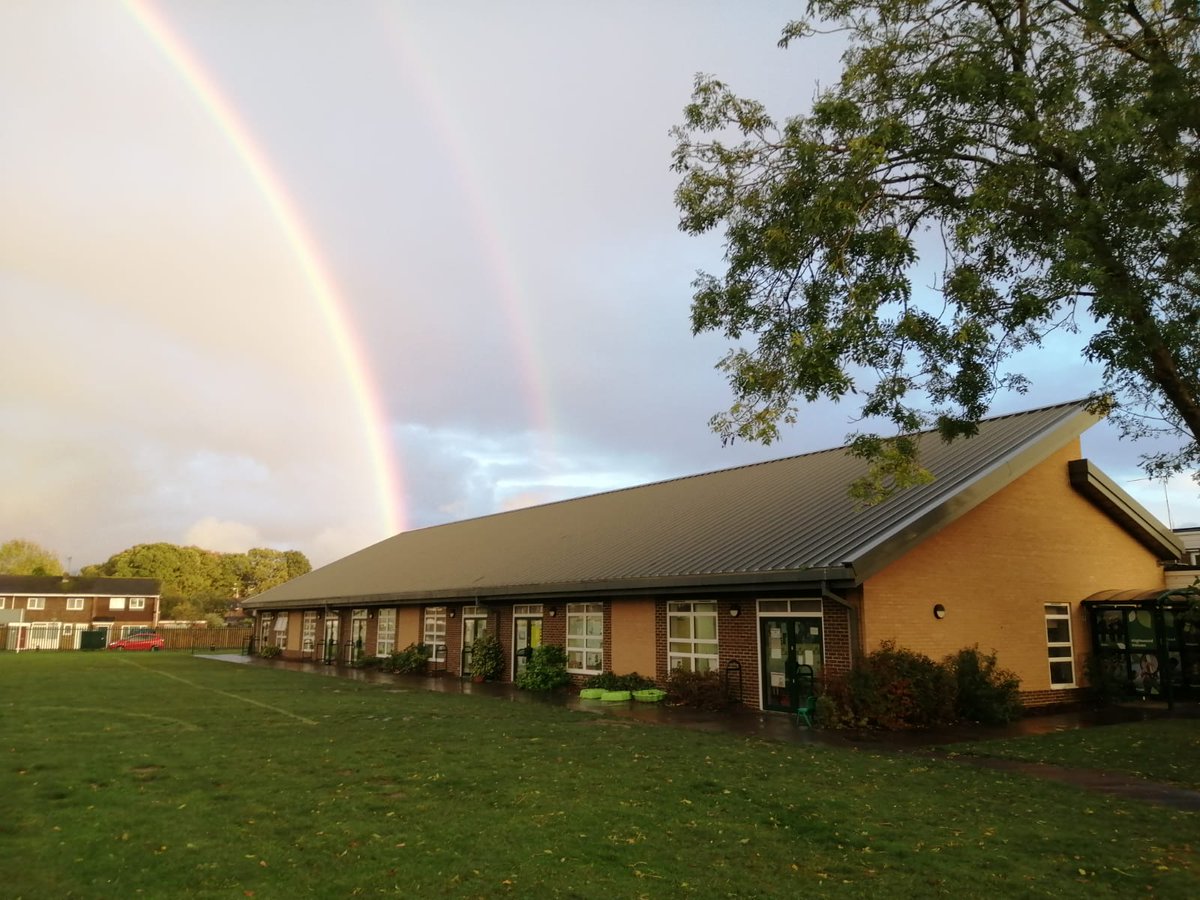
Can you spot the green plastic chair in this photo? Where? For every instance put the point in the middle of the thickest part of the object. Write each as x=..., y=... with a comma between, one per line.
x=806, y=712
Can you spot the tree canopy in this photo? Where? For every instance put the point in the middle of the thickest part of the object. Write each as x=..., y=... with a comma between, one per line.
x=196, y=579
x=1047, y=154
x=21, y=557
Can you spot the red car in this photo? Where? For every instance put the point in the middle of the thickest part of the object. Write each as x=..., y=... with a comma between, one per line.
x=138, y=640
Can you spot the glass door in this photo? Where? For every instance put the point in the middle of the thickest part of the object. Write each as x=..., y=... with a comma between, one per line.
x=473, y=628
x=527, y=636
x=331, y=638
x=790, y=649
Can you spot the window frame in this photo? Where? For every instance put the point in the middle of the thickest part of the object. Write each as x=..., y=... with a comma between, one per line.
x=385, y=632
x=1055, y=649
x=579, y=644
x=37, y=603
x=74, y=604
x=308, y=631
x=689, y=611
x=137, y=602
x=433, y=632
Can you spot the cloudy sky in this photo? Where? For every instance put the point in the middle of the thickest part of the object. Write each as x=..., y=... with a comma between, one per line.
x=301, y=274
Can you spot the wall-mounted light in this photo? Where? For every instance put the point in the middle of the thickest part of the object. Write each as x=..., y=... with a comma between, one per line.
x=552, y=612
x=735, y=610
x=939, y=611
x=450, y=613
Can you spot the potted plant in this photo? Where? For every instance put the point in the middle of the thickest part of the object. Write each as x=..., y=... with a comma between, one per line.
x=487, y=658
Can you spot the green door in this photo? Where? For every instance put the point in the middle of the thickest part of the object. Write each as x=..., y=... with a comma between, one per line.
x=786, y=645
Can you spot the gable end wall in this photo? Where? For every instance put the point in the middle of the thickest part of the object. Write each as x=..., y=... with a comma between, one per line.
x=1036, y=541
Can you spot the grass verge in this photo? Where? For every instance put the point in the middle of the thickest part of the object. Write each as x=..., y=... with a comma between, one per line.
x=167, y=776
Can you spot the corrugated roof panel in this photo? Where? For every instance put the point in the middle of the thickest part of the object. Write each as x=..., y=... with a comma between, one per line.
x=788, y=515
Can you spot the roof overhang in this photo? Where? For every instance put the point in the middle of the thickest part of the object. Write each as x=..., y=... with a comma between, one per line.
x=1124, y=510
x=741, y=582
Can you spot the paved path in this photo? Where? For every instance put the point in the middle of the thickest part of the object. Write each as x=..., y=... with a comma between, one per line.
x=779, y=727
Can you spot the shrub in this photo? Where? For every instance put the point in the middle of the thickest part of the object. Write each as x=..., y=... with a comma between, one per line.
x=702, y=690
x=270, y=651
x=546, y=669
x=609, y=681
x=985, y=693
x=894, y=688
x=487, y=657
x=410, y=660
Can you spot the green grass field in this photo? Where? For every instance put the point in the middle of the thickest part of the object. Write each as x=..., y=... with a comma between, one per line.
x=161, y=775
x=1166, y=751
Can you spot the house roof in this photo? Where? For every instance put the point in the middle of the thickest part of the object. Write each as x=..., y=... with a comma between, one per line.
x=786, y=521
x=52, y=585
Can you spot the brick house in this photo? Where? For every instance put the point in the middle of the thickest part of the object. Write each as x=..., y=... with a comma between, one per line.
x=753, y=570
x=43, y=612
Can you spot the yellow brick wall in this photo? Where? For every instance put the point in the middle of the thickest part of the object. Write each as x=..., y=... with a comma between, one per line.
x=633, y=637
x=1037, y=541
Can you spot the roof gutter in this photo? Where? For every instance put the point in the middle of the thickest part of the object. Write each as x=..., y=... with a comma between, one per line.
x=659, y=585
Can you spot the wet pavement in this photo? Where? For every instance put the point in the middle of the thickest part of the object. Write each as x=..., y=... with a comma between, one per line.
x=781, y=727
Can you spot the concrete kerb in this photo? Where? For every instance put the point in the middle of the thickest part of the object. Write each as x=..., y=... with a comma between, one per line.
x=780, y=727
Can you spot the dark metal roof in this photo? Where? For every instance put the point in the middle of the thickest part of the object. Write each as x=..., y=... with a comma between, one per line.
x=51, y=585
x=784, y=521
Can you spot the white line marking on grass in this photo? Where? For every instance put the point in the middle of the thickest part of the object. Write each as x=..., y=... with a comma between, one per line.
x=109, y=712
x=201, y=687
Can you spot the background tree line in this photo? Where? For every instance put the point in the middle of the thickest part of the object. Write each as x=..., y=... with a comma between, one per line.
x=196, y=583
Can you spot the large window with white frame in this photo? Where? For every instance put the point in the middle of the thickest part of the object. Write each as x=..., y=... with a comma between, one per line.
x=585, y=638
x=281, y=627
x=116, y=602
x=137, y=602
x=308, y=631
x=35, y=603
x=385, y=634
x=434, y=637
x=74, y=604
x=1058, y=645
x=692, y=635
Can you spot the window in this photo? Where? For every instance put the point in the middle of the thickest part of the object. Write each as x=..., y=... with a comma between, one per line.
x=692, y=636
x=137, y=602
x=308, y=635
x=585, y=638
x=435, y=632
x=1058, y=643
x=116, y=602
x=67, y=629
x=385, y=634
x=35, y=603
x=281, y=623
x=74, y=603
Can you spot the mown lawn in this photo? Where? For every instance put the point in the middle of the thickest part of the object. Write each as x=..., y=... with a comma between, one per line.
x=1166, y=750
x=160, y=775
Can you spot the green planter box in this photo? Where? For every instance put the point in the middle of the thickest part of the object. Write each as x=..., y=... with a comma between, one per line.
x=613, y=696
x=591, y=693
x=650, y=695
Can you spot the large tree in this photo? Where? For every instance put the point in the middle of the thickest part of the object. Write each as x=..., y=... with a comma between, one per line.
x=21, y=557
x=1045, y=153
x=201, y=578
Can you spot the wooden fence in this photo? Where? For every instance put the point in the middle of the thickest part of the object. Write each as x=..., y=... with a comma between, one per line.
x=203, y=638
